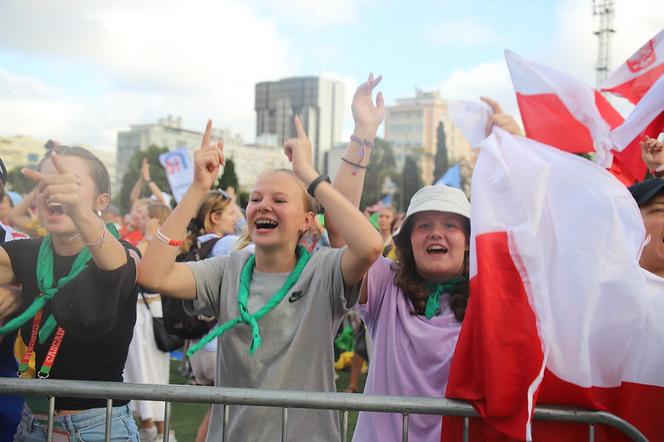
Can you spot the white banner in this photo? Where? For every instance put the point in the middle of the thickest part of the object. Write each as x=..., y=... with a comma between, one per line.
x=179, y=170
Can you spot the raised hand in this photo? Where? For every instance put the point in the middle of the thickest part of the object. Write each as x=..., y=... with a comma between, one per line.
x=366, y=114
x=500, y=119
x=59, y=189
x=298, y=151
x=652, y=152
x=207, y=160
x=145, y=170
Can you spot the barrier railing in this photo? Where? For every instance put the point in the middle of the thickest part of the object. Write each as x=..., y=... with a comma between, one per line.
x=343, y=402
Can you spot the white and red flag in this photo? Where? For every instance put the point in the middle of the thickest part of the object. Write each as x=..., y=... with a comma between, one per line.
x=560, y=311
x=561, y=111
x=639, y=72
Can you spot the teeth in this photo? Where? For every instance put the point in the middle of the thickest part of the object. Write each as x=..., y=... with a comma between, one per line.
x=437, y=249
x=54, y=205
x=266, y=223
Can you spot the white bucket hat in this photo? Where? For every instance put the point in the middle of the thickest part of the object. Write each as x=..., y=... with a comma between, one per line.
x=438, y=198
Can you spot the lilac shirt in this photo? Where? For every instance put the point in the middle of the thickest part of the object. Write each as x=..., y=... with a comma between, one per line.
x=411, y=357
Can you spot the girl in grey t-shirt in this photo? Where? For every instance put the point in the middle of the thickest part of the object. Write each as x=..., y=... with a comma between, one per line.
x=278, y=308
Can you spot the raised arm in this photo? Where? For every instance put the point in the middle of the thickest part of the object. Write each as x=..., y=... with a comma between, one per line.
x=156, y=191
x=364, y=242
x=20, y=216
x=349, y=179
x=158, y=270
x=652, y=153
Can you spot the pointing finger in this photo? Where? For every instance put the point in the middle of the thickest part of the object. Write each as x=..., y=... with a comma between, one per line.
x=495, y=107
x=207, y=135
x=59, y=165
x=32, y=174
x=299, y=128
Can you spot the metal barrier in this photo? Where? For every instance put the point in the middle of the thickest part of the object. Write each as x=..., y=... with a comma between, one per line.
x=343, y=402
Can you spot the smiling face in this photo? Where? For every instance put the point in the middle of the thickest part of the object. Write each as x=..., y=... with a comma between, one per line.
x=276, y=213
x=652, y=258
x=439, y=241
x=52, y=217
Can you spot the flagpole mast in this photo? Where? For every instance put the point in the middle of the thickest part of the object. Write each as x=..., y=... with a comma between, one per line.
x=604, y=10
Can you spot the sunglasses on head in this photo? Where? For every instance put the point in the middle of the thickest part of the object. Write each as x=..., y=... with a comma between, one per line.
x=223, y=194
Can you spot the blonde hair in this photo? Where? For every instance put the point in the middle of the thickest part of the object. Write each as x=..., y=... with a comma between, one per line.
x=212, y=201
x=159, y=211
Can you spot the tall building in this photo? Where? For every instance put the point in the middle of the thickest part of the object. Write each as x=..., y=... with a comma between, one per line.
x=411, y=127
x=318, y=101
x=167, y=132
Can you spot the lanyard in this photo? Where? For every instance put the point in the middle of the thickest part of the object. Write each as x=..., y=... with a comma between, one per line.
x=53, y=349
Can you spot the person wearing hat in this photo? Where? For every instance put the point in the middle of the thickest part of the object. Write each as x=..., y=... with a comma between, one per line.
x=649, y=195
x=413, y=308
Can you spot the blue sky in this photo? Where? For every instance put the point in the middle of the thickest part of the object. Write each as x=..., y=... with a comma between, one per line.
x=79, y=71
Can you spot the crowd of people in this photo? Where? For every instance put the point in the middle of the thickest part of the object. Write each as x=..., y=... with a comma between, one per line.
x=272, y=281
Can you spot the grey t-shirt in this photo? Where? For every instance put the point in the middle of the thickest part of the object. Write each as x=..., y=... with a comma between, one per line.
x=297, y=349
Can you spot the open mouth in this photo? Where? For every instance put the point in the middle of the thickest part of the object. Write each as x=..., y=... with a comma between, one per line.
x=436, y=250
x=266, y=224
x=55, y=209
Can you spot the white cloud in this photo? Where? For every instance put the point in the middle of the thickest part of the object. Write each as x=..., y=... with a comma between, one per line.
x=317, y=13
x=460, y=31
x=195, y=59
x=487, y=79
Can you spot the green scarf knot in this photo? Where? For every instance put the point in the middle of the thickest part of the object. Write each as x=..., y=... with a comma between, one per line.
x=436, y=290
x=243, y=296
x=48, y=287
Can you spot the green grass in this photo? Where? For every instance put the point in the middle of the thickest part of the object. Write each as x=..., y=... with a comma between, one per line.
x=186, y=417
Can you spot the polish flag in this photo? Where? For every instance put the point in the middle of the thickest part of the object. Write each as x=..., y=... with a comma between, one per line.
x=560, y=311
x=561, y=111
x=647, y=118
x=639, y=72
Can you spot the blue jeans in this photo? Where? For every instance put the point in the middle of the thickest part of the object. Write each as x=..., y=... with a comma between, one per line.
x=86, y=426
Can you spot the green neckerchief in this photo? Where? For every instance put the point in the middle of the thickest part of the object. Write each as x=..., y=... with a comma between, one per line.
x=433, y=301
x=47, y=287
x=243, y=297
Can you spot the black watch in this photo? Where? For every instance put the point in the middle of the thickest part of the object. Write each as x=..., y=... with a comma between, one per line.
x=312, y=187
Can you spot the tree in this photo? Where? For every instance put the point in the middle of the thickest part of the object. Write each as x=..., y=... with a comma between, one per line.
x=18, y=182
x=157, y=174
x=228, y=178
x=382, y=165
x=441, y=161
x=411, y=182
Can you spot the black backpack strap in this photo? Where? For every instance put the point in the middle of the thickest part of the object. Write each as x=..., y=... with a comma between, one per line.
x=205, y=248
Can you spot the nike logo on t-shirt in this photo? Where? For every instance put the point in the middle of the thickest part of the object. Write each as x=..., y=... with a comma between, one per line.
x=296, y=296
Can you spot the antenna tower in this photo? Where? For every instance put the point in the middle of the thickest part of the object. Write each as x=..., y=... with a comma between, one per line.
x=603, y=10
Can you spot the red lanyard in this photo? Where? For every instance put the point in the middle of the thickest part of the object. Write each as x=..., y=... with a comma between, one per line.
x=45, y=369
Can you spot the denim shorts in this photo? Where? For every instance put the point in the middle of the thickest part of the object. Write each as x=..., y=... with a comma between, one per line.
x=86, y=426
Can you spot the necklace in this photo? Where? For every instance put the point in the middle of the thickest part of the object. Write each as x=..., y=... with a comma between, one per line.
x=243, y=297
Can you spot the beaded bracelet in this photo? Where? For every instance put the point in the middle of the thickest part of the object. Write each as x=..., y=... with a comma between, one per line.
x=363, y=143
x=166, y=240
x=100, y=239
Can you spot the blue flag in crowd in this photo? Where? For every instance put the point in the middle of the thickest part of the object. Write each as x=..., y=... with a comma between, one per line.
x=452, y=177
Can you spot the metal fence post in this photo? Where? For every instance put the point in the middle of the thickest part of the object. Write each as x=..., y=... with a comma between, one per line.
x=109, y=419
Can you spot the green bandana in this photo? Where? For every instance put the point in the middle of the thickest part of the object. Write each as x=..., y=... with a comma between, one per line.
x=433, y=301
x=243, y=296
x=47, y=286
